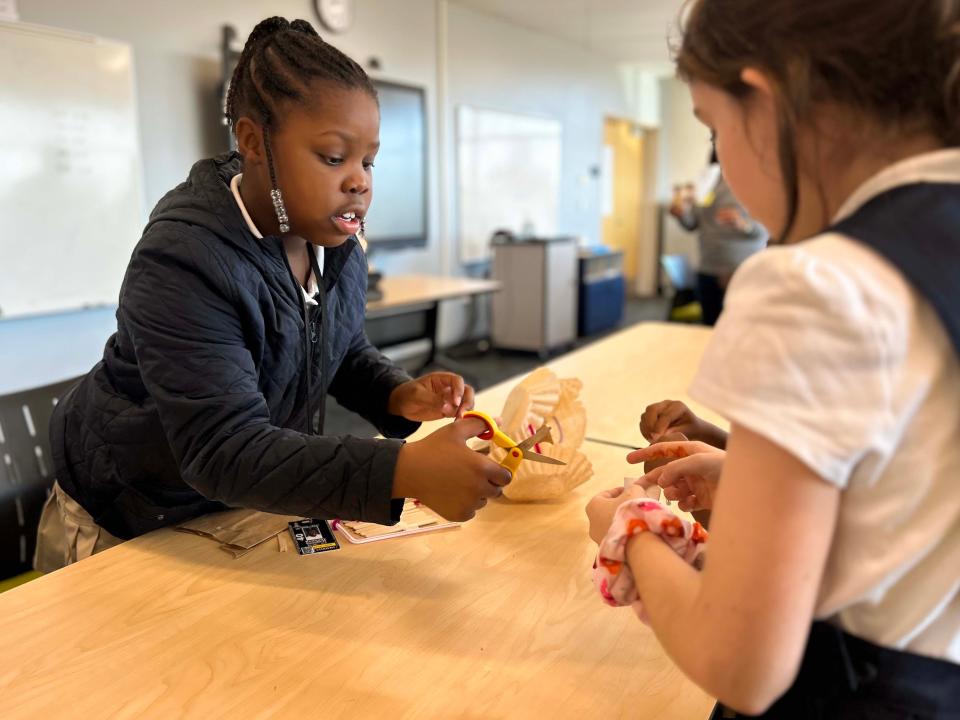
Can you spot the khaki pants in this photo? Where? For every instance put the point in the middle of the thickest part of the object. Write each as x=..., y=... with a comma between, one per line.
x=67, y=533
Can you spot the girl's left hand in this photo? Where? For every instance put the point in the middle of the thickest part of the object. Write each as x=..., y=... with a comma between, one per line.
x=431, y=397
x=603, y=506
x=691, y=474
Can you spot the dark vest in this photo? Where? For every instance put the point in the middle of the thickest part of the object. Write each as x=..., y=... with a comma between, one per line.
x=917, y=229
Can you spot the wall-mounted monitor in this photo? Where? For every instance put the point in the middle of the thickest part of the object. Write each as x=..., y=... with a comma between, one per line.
x=398, y=216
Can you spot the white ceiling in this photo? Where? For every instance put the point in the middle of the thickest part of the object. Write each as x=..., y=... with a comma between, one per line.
x=632, y=31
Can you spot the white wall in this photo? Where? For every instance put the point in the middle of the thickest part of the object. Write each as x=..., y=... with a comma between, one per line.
x=176, y=47
x=684, y=149
x=504, y=67
x=641, y=87
x=490, y=64
x=499, y=66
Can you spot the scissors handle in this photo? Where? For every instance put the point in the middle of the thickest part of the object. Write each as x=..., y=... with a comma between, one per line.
x=512, y=460
x=492, y=432
x=514, y=454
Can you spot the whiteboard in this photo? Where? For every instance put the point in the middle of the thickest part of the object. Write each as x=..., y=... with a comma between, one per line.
x=508, y=177
x=71, y=190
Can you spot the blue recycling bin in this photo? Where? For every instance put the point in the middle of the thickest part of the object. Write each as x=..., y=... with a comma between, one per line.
x=602, y=291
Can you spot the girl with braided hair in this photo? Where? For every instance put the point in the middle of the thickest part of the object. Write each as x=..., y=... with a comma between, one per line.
x=242, y=307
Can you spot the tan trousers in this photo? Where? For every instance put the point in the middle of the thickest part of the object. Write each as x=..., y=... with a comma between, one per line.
x=67, y=533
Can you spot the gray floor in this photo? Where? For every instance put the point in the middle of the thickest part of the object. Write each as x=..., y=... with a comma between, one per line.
x=489, y=367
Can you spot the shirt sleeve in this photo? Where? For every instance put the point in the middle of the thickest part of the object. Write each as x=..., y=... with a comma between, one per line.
x=807, y=353
x=363, y=384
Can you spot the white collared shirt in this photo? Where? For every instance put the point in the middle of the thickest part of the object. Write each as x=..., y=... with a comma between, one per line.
x=310, y=292
x=826, y=350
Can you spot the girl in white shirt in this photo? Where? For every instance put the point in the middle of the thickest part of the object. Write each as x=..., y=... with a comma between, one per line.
x=837, y=362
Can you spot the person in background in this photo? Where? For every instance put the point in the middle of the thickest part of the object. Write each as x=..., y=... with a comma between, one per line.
x=727, y=235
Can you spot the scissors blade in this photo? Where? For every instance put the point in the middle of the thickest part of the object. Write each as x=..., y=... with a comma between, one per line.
x=541, y=435
x=537, y=457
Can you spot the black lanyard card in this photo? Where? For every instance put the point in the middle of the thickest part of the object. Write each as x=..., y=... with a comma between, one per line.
x=313, y=536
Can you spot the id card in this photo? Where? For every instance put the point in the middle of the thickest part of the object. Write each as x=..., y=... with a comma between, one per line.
x=313, y=536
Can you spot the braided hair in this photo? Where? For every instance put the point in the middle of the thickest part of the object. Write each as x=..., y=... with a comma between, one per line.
x=279, y=61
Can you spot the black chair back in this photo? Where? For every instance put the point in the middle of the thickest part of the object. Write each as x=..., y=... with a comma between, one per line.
x=26, y=471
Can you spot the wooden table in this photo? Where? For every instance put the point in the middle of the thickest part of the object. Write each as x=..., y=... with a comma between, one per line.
x=496, y=619
x=624, y=373
x=410, y=308
x=407, y=290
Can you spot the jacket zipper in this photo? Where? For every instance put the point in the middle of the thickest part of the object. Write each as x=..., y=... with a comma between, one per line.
x=322, y=291
x=308, y=343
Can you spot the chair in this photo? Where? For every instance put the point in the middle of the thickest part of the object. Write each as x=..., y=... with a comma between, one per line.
x=26, y=473
x=684, y=307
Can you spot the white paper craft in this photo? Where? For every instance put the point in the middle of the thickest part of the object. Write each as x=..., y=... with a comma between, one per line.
x=415, y=518
x=543, y=398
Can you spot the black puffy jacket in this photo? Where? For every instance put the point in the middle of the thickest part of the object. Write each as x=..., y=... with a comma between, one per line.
x=201, y=399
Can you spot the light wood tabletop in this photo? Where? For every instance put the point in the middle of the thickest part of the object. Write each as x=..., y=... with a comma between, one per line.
x=624, y=373
x=401, y=290
x=495, y=619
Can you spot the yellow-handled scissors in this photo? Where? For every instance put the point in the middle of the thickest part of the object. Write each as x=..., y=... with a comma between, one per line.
x=516, y=452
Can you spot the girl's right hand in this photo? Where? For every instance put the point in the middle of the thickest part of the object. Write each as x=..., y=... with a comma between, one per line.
x=446, y=475
x=692, y=475
x=731, y=217
x=673, y=416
